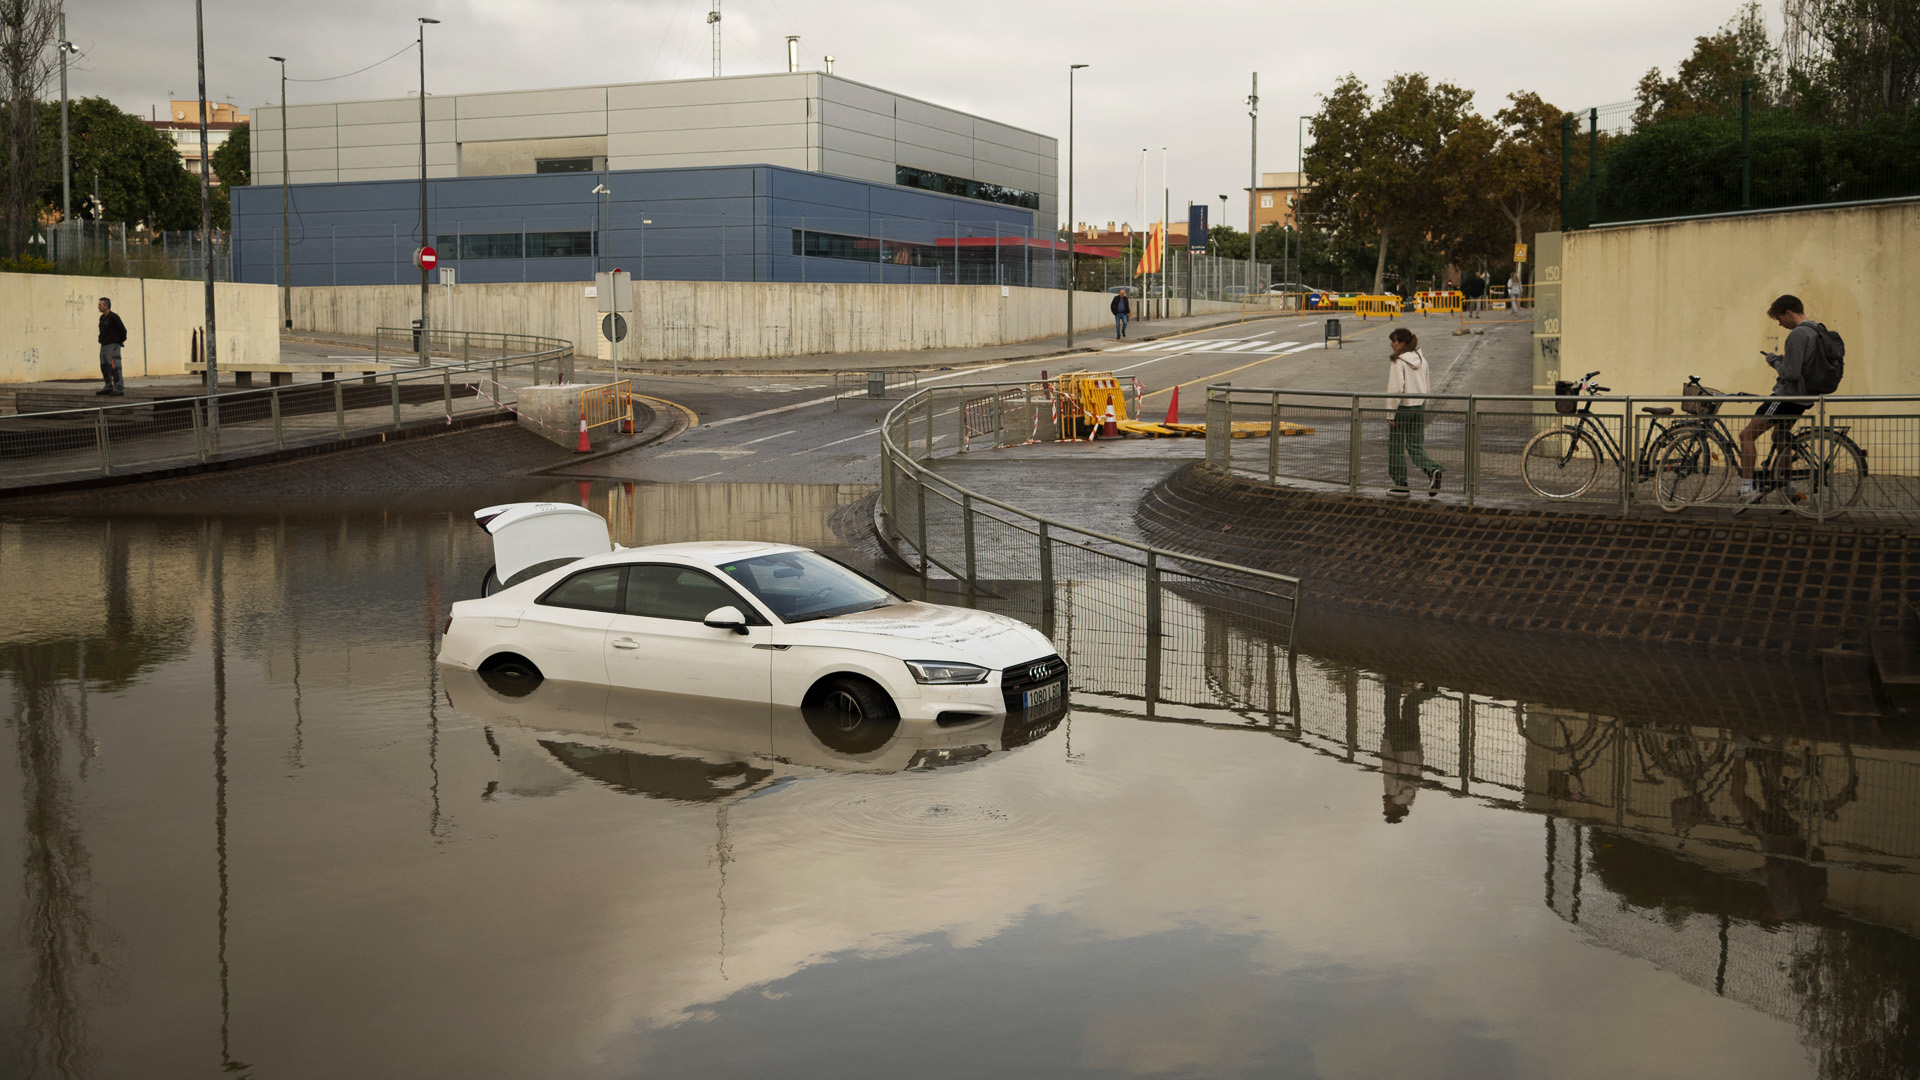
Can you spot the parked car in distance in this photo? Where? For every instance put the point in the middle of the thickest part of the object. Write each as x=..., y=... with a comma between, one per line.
x=763, y=623
x=1130, y=290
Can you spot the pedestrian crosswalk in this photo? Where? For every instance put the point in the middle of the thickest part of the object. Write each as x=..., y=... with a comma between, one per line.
x=1204, y=345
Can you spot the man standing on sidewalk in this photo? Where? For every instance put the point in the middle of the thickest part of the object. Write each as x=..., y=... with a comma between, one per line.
x=1121, y=308
x=113, y=334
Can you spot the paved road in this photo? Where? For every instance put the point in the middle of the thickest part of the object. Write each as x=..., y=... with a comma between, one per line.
x=787, y=429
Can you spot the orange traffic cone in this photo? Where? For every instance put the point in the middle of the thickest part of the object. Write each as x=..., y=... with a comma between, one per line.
x=1173, y=407
x=585, y=447
x=1110, y=429
x=626, y=420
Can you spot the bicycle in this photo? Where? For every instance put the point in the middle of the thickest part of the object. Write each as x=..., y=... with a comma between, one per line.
x=1815, y=472
x=1564, y=462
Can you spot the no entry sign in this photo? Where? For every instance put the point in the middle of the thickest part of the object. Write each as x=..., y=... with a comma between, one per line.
x=426, y=258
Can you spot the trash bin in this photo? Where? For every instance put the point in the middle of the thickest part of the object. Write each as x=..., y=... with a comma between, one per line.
x=876, y=384
x=1333, y=333
x=416, y=336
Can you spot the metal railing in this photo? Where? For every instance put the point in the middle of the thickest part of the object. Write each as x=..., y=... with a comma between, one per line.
x=877, y=385
x=64, y=445
x=1060, y=575
x=1480, y=440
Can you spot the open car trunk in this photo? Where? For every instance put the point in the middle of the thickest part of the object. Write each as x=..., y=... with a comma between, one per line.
x=532, y=538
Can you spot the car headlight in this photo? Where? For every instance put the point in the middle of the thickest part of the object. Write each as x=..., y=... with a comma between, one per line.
x=944, y=673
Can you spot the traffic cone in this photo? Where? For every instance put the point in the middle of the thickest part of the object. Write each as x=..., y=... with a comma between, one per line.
x=1110, y=428
x=1173, y=407
x=585, y=447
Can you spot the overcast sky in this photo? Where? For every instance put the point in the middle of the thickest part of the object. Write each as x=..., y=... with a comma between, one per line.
x=1162, y=74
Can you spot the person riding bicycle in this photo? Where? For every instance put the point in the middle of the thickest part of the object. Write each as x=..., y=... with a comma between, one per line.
x=1790, y=368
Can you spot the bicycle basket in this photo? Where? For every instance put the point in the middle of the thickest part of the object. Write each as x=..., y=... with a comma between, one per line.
x=1700, y=400
x=1566, y=397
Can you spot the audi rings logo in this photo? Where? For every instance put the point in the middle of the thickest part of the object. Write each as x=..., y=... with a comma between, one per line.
x=1037, y=672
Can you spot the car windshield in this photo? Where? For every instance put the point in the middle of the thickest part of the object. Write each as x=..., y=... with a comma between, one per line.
x=803, y=585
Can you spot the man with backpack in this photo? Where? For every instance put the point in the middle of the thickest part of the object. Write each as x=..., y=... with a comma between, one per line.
x=1811, y=362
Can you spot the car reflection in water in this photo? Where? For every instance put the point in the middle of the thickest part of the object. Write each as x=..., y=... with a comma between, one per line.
x=670, y=746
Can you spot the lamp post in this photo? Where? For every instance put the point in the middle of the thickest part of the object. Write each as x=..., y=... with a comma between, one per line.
x=426, y=238
x=1253, y=176
x=286, y=241
x=206, y=233
x=1071, y=68
x=644, y=222
x=66, y=157
x=606, y=223
x=1300, y=174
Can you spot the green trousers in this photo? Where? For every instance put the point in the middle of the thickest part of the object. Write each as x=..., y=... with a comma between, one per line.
x=1407, y=439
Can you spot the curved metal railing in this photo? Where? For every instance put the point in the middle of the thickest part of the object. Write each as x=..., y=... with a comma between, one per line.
x=480, y=373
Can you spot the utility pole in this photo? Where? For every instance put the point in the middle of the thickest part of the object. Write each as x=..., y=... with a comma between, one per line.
x=286, y=241
x=1071, y=68
x=713, y=20
x=1253, y=175
x=206, y=232
x=426, y=238
x=66, y=156
x=1166, y=229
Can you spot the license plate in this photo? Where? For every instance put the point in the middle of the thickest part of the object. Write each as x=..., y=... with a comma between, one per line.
x=1042, y=695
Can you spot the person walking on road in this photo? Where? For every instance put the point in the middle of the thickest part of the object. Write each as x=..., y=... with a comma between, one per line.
x=1473, y=289
x=1408, y=379
x=1121, y=308
x=1514, y=288
x=113, y=334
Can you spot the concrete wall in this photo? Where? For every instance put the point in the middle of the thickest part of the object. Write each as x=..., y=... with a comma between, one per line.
x=53, y=324
x=1649, y=305
x=710, y=320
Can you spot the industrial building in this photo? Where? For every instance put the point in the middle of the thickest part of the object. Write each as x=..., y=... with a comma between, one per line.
x=794, y=176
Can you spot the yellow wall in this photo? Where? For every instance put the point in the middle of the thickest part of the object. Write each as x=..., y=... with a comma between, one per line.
x=1649, y=305
x=50, y=325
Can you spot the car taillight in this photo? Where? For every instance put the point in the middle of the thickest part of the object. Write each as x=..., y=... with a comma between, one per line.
x=447, y=628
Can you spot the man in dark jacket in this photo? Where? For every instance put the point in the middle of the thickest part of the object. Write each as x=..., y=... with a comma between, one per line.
x=113, y=334
x=1121, y=308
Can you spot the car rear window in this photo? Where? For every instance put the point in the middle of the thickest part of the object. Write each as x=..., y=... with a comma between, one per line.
x=594, y=590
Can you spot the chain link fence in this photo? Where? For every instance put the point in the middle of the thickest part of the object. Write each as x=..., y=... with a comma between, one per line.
x=477, y=373
x=108, y=249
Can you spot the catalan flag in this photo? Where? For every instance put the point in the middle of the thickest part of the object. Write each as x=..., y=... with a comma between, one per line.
x=1156, y=242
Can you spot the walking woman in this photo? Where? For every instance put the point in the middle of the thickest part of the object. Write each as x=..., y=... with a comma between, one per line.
x=1408, y=381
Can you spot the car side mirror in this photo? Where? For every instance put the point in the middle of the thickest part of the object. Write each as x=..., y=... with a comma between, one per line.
x=727, y=618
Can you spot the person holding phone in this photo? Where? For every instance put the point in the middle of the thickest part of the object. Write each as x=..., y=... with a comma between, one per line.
x=1408, y=379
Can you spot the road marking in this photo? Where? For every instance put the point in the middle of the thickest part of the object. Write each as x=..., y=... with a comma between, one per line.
x=1307, y=346
x=1141, y=364
x=765, y=438
x=837, y=442
x=693, y=418
x=849, y=394
x=723, y=451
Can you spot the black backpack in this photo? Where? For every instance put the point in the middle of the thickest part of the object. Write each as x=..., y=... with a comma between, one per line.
x=1828, y=363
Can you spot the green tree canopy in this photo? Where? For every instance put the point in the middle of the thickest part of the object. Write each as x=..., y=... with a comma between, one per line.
x=140, y=175
x=233, y=162
x=1709, y=81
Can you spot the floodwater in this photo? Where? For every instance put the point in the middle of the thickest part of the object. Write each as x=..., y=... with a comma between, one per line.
x=250, y=829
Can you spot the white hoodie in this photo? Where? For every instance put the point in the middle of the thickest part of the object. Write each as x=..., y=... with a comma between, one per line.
x=1408, y=374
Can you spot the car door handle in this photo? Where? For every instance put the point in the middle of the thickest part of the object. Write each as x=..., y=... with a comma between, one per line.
x=625, y=643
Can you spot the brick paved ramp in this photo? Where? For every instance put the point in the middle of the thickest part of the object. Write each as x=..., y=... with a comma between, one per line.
x=1769, y=584
x=450, y=470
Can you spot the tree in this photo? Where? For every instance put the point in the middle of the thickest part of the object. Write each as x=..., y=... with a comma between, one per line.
x=27, y=30
x=1847, y=61
x=1709, y=81
x=233, y=162
x=1527, y=162
x=1380, y=168
x=140, y=175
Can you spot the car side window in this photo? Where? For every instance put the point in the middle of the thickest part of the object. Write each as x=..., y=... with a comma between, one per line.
x=593, y=590
x=678, y=592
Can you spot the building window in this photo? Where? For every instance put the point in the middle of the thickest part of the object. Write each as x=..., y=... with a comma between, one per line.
x=540, y=245
x=1266, y=202
x=563, y=164
x=926, y=180
x=819, y=245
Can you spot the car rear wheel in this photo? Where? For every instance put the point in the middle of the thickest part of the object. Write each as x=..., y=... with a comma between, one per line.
x=513, y=676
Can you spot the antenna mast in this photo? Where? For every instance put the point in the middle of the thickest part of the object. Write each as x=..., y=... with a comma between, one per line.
x=713, y=20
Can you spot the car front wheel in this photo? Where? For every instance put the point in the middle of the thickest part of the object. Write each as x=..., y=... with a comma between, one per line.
x=852, y=716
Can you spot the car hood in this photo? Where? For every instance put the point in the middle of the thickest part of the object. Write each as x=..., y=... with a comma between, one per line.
x=929, y=632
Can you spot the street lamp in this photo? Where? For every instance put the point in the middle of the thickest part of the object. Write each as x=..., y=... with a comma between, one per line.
x=606, y=222
x=66, y=158
x=426, y=238
x=286, y=241
x=1071, y=68
x=211, y=337
x=644, y=222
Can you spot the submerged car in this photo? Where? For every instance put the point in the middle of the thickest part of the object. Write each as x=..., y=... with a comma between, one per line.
x=751, y=622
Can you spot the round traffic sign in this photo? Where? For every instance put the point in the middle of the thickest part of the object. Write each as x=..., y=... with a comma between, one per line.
x=614, y=327
x=426, y=258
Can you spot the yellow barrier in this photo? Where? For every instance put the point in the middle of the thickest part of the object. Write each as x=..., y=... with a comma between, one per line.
x=1440, y=302
x=607, y=404
x=1386, y=307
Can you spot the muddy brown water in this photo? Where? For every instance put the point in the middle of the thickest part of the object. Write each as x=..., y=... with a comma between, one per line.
x=251, y=829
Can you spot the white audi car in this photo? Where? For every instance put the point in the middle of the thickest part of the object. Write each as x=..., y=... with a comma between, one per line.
x=741, y=621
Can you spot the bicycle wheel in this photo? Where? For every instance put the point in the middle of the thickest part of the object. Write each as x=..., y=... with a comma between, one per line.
x=1560, y=463
x=1836, y=465
x=1694, y=467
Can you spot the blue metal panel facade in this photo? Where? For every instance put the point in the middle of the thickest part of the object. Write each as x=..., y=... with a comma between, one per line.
x=737, y=223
